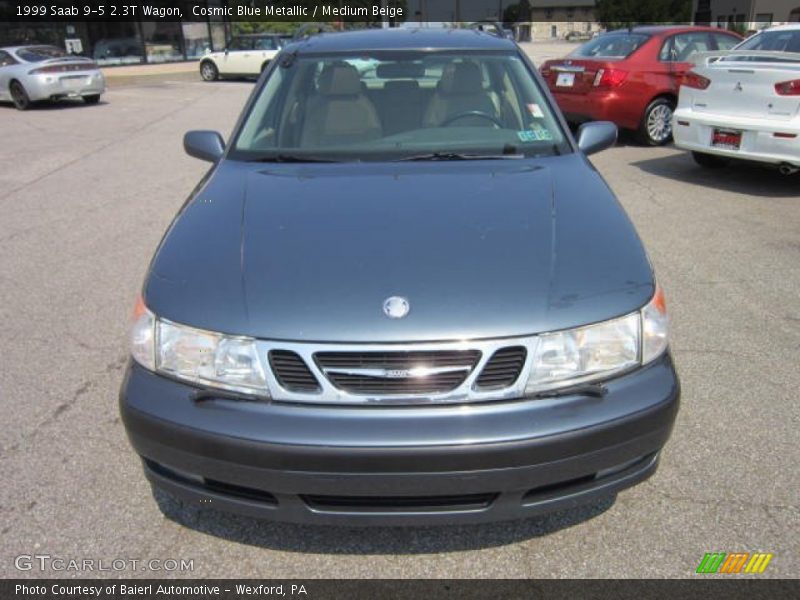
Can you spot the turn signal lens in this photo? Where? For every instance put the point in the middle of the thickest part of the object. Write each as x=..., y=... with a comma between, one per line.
x=143, y=335
x=655, y=327
x=788, y=88
x=696, y=81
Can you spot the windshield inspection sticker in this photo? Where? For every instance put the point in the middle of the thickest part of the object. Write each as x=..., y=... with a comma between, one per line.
x=536, y=134
x=535, y=111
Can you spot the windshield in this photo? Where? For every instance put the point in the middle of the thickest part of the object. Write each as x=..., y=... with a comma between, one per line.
x=399, y=105
x=39, y=53
x=611, y=45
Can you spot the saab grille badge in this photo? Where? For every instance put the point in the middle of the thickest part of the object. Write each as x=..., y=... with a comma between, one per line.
x=396, y=307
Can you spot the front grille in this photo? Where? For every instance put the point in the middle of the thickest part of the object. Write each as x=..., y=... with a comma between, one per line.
x=387, y=373
x=291, y=371
x=400, y=503
x=502, y=369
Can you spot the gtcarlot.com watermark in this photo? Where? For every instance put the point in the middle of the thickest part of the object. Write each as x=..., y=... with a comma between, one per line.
x=48, y=562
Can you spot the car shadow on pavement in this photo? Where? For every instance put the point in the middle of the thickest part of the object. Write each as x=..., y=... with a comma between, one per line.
x=60, y=105
x=288, y=537
x=739, y=177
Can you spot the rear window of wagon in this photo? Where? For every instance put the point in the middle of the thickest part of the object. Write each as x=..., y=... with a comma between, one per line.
x=611, y=45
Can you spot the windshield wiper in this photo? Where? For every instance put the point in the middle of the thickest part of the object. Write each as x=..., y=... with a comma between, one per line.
x=291, y=158
x=460, y=156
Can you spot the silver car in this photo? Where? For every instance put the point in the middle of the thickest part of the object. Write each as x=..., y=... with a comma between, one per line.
x=32, y=73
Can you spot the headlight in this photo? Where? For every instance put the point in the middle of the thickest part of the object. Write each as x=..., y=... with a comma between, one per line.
x=575, y=356
x=197, y=356
x=599, y=351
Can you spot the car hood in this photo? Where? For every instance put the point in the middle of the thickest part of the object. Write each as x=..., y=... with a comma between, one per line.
x=478, y=248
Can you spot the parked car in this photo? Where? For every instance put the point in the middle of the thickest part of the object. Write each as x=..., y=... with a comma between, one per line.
x=31, y=74
x=493, y=28
x=245, y=56
x=631, y=76
x=744, y=104
x=578, y=36
x=408, y=300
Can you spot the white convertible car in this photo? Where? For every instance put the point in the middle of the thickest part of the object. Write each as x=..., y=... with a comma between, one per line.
x=744, y=103
x=245, y=56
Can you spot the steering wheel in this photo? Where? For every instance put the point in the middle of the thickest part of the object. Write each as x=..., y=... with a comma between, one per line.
x=473, y=113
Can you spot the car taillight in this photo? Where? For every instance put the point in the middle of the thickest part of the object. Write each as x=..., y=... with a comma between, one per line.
x=693, y=80
x=63, y=68
x=788, y=88
x=609, y=77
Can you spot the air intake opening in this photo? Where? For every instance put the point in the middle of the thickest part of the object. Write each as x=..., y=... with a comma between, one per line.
x=502, y=369
x=400, y=503
x=291, y=371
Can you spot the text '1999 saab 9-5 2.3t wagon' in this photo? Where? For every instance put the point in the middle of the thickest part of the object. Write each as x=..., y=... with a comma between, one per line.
x=401, y=295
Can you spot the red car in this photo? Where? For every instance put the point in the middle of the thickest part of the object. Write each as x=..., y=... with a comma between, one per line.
x=631, y=76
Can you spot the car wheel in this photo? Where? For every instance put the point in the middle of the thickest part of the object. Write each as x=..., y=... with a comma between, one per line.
x=19, y=96
x=92, y=99
x=208, y=71
x=710, y=161
x=656, y=126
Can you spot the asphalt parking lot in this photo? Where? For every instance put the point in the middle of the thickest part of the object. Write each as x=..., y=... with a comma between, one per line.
x=85, y=195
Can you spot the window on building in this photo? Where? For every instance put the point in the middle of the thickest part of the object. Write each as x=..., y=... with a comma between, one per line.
x=196, y=39
x=162, y=41
x=114, y=43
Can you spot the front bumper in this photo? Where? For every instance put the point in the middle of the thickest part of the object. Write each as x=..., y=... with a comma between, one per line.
x=693, y=131
x=399, y=465
x=72, y=85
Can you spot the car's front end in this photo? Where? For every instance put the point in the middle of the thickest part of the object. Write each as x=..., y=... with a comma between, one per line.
x=424, y=333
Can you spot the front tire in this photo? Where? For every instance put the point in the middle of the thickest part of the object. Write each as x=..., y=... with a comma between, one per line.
x=710, y=161
x=209, y=71
x=19, y=96
x=92, y=99
x=656, y=126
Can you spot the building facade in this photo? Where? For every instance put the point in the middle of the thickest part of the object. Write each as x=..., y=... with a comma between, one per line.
x=745, y=15
x=123, y=42
x=554, y=19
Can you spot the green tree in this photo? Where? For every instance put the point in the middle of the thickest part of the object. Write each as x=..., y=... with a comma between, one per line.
x=517, y=13
x=613, y=14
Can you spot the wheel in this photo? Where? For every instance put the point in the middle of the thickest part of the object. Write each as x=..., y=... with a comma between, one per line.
x=656, y=126
x=208, y=71
x=92, y=99
x=19, y=96
x=710, y=161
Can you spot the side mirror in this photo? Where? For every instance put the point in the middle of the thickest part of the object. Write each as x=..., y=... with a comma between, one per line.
x=205, y=145
x=596, y=136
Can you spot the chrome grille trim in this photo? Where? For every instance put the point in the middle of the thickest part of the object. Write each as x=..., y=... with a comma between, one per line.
x=466, y=392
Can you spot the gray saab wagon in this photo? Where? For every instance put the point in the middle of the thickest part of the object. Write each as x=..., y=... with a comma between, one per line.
x=400, y=295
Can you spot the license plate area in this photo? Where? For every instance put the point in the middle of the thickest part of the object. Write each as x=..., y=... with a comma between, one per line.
x=565, y=80
x=729, y=139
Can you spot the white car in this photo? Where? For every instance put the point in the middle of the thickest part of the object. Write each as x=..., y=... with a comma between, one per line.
x=744, y=103
x=245, y=56
x=31, y=74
